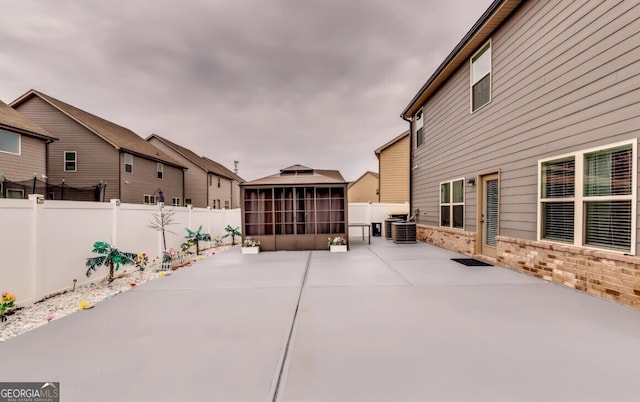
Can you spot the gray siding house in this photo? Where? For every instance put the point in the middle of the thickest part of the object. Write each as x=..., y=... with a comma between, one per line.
x=23, y=152
x=524, y=144
x=207, y=183
x=92, y=150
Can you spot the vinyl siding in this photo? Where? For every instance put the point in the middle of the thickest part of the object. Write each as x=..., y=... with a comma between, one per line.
x=394, y=172
x=565, y=77
x=32, y=159
x=222, y=193
x=195, y=179
x=143, y=180
x=364, y=190
x=96, y=159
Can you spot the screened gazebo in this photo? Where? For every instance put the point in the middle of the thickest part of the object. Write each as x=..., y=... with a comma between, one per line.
x=296, y=209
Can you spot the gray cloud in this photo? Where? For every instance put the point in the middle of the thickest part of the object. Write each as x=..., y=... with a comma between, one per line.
x=267, y=83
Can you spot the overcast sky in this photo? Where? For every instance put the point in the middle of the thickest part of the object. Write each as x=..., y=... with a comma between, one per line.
x=270, y=83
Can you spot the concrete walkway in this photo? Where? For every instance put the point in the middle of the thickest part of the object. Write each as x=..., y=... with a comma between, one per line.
x=383, y=322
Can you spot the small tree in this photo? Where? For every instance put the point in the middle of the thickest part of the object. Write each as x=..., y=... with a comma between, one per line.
x=233, y=232
x=195, y=238
x=160, y=222
x=110, y=257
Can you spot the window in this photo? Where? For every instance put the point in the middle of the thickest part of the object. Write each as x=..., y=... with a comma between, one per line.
x=418, y=128
x=128, y=163
x=481, y=77
x=175, y=201
x=187, y=201
x=15, y=193
x=218, y=182
x=452, y=204
x=160, y=170
x=9, y=142
x=70, y=161
x=149, y=200
x=217, y=204
x=211, y=180
x=587, y=198
x=226, y=204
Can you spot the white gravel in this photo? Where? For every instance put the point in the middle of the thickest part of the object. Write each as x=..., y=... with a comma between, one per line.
x=53, y=308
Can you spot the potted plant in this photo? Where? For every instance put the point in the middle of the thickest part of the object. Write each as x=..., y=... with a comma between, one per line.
x=250, y=246
x=338, y=244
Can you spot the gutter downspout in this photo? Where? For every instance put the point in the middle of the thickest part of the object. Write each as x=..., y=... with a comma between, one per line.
x=120, y=162
x=410, y=166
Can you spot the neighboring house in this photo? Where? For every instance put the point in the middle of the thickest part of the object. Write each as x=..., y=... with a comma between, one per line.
x=93, y=151
x=207, y=183
x=365, y=189
x=23, y=152
x=296, y=209
x=393, y=165
x=235, y=182
x=525, y=144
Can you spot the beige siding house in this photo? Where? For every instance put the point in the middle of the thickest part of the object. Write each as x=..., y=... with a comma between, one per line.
x=393, y=165
x=93, y=151
x=207, y=183
x=23, y=152
x=365, y=189
x=525, y=144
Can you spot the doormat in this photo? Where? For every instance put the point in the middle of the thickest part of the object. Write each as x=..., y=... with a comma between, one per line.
x=471, y=262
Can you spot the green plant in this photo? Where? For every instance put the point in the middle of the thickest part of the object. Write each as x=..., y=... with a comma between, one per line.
x=6, y=303
x=337, y=241
x=249, y=242
x=233, y=232
x=110, y=257
x=195, y=238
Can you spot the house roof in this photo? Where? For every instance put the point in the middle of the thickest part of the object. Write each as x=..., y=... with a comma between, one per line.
x=390, y=143
x=498, y=12
x=224, y=169
x=117, y=136
x=11, y=119
x=300, y=175
x=376, y=175
x=203, y=163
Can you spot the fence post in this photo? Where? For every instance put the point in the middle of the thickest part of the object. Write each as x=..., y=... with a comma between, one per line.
x=115, y=203
x=189, y=212
x=36, y=255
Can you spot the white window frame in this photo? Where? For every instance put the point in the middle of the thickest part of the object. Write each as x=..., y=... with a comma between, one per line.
x=580, y=200
x=451, y=204
x=19, y=142
x=176, y=202
x=75, y=161
x=226, y=204
x=130, y=163
x=418, y=124
x=149, y=199
x=159, y=171
x=488, y=44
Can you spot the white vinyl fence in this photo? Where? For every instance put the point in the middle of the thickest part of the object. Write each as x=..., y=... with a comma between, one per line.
x=44, y=245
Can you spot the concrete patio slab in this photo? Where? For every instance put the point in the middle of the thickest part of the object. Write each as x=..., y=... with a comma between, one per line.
x=380, y=323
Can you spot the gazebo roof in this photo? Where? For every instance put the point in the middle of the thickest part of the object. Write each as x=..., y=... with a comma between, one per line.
x=299, y=175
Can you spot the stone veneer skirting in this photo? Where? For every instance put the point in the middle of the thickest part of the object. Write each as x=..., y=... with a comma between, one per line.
x=607, y=275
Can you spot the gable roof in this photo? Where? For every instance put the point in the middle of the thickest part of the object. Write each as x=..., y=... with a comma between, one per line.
x=11, y=119
x=497, y=13
x=390, y=143
x=376, y=175
x=300, y=175
x=117, y=136
x=225, y=169
x=203, y=163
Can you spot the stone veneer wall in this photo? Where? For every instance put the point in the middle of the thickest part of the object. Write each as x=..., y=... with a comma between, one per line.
x=604, y=274
x=452, y=239
x=608, y=275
